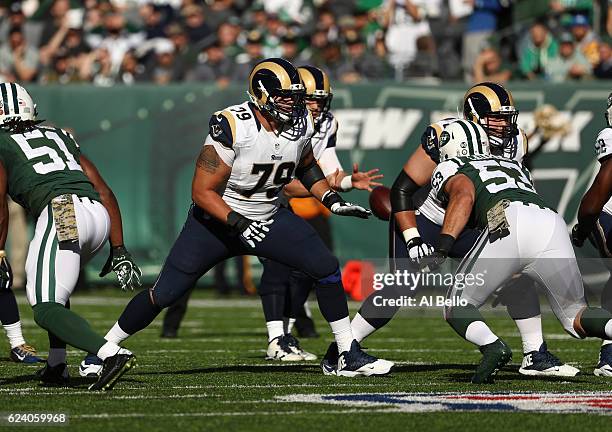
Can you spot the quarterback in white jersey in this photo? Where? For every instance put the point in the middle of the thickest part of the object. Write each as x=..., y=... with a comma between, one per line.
x=253, y=150
x=417, y=217
x=595, y=223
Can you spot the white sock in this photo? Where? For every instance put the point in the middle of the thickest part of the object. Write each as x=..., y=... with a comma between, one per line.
x=307, y=309
x=13, y=332
x=107, y=350
x=531, y=333
x=606, y=342
x=275, y=329
x=288, y=324
x=116, y=335
x=361, y=328
x=480, y=334
x=56, y=356
x=343, y=333
x=608, y=329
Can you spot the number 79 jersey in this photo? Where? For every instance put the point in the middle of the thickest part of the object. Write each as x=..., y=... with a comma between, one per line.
x=262, y=162
x=42, y=164
x=494, y=178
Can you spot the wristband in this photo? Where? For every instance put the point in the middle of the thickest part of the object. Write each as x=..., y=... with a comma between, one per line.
x=346, y=184
x=330, y=198
x=410, y=233
x=237, y=222
x=445, y=243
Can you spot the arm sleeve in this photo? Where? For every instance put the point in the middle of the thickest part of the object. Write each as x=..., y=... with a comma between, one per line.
x=227, y=155
x=329, y=162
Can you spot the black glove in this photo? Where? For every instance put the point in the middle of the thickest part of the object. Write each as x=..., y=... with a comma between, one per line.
x=250, y=231
x=6, y=272
x=418, y=249
x=121, y=262
x=338, y=206
x=578, y=236
x=435, y=260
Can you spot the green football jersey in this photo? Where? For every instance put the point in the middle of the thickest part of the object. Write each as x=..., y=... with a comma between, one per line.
x=494, y=178
x=42, y=164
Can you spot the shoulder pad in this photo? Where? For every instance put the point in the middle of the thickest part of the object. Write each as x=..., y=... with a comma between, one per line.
x=429, y=141
x=603, y=144
x=222, y=128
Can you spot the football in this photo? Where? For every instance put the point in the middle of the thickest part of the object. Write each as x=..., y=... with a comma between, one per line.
x=380, y=202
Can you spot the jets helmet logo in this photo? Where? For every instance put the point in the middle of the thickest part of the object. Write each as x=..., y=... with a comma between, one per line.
x=444, y=138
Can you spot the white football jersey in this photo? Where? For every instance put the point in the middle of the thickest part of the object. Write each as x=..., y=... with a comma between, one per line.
x=262, y=162
x=603, y=149
x=324, y=145
x=432, y=208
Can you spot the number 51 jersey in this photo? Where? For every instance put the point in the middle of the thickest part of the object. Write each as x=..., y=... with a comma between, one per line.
x=262, y=162
x=42, y=164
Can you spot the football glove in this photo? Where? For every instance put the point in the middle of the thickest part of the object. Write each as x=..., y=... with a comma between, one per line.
x=250, y=231
x=418, y=249
x=6, y=272
x=339, y=207
x=578, y=236
x=434, y=261
x=121, y=262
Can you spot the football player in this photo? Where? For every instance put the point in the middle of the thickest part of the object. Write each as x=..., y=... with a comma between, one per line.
x=519, y=234
x=595, y=223
x=20, y=351
x=281, y=285
x=43, y=170
x=416, y=222
x=252, y=151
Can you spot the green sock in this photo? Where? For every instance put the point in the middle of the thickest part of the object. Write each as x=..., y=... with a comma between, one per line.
x=593, y=321
x=460, y=318
x=67, y=326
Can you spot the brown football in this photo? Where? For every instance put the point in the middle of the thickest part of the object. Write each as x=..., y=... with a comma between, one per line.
x=380, y=202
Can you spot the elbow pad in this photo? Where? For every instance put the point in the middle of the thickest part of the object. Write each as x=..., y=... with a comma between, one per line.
x=401, y=193
x=310, y=174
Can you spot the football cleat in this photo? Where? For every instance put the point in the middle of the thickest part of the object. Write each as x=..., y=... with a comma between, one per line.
x=54, y=375
x=604, y=367
x=356, y=362
x=91, y=366
x=114, y=368
x=329, y=364
x=279, y=348
x=543, y=363
x=24, y=354
x=294, y=344
x=494, y=356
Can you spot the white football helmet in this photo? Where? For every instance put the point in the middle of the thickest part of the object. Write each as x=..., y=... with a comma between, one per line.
x=463, y=138
x=16, y=103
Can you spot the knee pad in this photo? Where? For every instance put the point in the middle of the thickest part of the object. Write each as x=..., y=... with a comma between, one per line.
x=333, y=278
x=521, y=298
x=590, y=323
x=163, y=298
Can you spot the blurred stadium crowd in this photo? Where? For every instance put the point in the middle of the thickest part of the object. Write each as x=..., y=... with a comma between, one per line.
x=109, y=42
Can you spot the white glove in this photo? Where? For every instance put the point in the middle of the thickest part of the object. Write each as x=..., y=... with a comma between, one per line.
x=417, y=248
x=255, y=232
x=339, y=207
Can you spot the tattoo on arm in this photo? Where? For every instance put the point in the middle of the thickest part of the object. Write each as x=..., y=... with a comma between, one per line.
x=209, y=159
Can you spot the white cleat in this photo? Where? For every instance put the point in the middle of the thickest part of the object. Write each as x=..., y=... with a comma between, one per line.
x=356, y=362
x=294, y=345
x=91, y=366
x=604, y=367
x=280, y=350
x=544, y=363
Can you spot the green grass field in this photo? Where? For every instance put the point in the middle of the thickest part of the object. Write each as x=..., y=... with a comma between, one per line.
x=214, y=377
